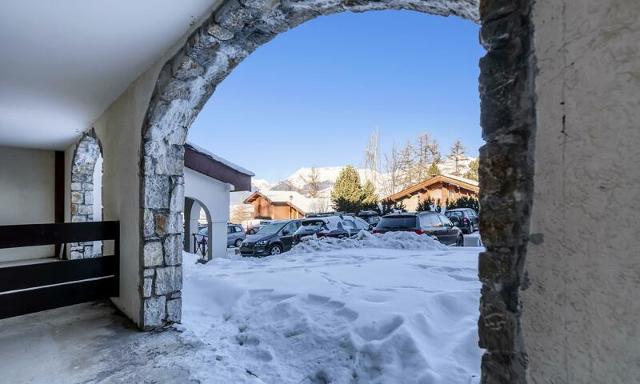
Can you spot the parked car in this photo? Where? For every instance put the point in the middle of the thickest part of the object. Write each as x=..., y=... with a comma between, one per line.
x=272, y=239
x=338, y=226
x=235, y=235
x=465, y=218
x=430, y=223
x=371, y=217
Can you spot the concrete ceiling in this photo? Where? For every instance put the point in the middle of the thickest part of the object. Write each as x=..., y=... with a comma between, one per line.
x=63, y=62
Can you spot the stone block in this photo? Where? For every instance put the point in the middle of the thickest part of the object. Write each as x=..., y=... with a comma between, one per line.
x=156, y=192
x=168, y=280
x=148, y=286
x=153, y=254
x=177, y=198
x=175, y=223
x=149, y=223
x=77, y=197
x=173, y=246
x=174, y=310
x=154, y=311
x=149, y=272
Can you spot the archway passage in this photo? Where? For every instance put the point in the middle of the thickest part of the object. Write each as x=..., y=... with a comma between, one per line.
x=237, y=28
x=197, y=234
x=86, y=191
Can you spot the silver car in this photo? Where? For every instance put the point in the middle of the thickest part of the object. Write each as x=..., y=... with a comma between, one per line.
x=235, y=234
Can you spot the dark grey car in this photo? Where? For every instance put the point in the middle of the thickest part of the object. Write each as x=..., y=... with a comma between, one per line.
x=465, y=218
x=271, y=239
x=429, y=223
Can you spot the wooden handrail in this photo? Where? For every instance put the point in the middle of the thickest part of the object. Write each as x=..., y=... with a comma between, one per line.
x=26, y=235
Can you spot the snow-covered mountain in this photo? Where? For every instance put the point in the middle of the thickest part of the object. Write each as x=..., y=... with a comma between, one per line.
x=299, y=180
x=261, y=184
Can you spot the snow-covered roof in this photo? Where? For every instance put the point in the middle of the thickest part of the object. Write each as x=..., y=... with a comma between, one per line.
x=460, y=178
x=221, y=159
x=462, y=182
x=295, y=198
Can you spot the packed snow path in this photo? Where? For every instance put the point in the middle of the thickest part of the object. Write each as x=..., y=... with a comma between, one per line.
x=341, y=312
x=338, y=312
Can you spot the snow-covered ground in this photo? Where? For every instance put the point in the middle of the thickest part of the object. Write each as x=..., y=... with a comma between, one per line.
x=355, y=311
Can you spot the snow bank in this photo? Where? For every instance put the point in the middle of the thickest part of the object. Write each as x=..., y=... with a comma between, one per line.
x=364, y=312
x=364, y=239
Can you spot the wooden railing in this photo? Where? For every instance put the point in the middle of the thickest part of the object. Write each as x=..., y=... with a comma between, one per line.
x=52, y=283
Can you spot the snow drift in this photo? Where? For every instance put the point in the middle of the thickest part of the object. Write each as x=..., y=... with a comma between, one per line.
x=398, y=308
x=364, y=239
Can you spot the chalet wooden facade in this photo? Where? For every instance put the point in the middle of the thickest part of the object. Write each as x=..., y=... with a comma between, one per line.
x=278, y=205
x=441, y=187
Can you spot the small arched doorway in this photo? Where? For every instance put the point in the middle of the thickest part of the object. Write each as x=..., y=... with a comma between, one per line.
x=86, y=191
x=198, y=229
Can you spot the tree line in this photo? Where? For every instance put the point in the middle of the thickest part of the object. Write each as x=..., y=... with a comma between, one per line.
x=419, y=160
x=349, y=194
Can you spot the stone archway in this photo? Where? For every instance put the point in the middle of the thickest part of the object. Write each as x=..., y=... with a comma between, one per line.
x=238, y=27
x=86, y=191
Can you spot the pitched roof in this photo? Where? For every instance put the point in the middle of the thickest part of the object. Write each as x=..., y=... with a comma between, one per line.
x=295, y=199
x=461, y=182
x=209, y=164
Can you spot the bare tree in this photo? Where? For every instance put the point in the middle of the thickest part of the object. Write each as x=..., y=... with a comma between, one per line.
x=458, y=156
x=372, y=157
x=392, y=171
x=241, y=213
x=407, y=165
x=427, y=154
x=312, y=183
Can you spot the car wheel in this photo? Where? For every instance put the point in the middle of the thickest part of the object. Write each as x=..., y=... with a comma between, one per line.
x=275, y=250
x=238, y=243
x=460, y=241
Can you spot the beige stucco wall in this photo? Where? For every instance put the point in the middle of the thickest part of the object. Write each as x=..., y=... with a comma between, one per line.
x=581, y=311
x=27, y=194
x=119, y=130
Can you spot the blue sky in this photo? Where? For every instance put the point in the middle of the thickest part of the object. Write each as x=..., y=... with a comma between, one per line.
x=313, y=95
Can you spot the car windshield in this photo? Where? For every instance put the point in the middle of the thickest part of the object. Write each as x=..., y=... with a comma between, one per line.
x=313, y=224
x=398, y=222
x=453, y=213
x=270, y=229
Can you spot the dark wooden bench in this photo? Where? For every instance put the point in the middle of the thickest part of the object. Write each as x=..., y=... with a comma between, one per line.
x=51, y=283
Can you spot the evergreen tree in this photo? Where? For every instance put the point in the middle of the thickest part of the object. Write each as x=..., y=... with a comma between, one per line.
x=390, y=206
x=458, y=156
x=433, y=170
x=426, y=205
x=473, y=170
x=465, y=202
x=347, y=191
x=369, y=196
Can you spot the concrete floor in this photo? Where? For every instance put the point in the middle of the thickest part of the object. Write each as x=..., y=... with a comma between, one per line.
x=92, y=343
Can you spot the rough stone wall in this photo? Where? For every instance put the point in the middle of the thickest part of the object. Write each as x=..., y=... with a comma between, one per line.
x=185, y=83
x=581, y=311
x=83, y=164
x=506, y=173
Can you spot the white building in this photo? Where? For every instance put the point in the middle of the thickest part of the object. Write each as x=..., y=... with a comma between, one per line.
x=208, y=181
